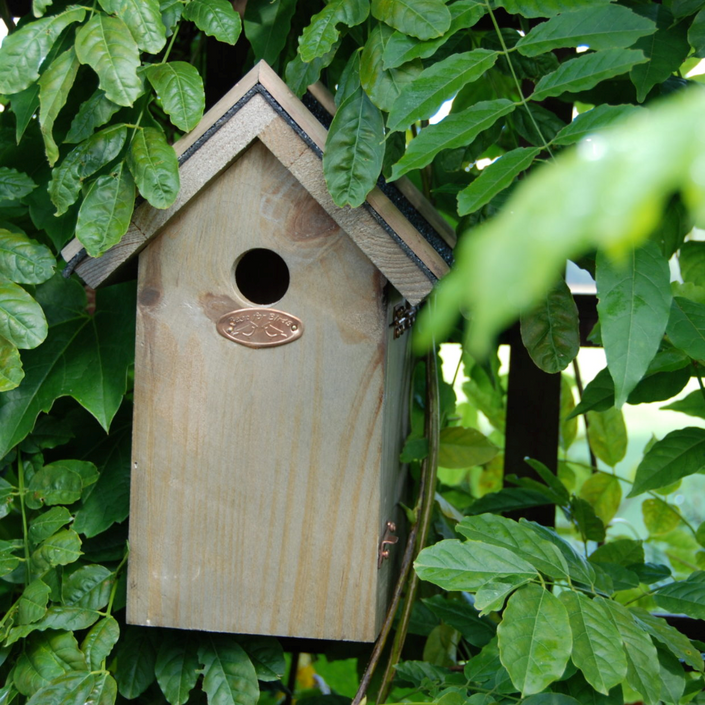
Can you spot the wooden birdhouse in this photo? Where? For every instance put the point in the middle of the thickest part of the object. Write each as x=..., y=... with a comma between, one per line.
x=271, y=379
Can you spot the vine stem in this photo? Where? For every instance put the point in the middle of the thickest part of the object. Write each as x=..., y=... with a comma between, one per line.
x=6, y=16
x=113, y=590
x=506, y=52
x=579, y=385
x=427, y=496
x=25, y=532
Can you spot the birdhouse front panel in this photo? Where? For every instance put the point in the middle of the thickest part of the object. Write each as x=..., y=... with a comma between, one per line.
x=259, y=495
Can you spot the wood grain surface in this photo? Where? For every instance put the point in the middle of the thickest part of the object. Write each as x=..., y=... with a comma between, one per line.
x=258, y=498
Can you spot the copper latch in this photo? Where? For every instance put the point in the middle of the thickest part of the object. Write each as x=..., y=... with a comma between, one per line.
x=404, y=318
x=389, y=539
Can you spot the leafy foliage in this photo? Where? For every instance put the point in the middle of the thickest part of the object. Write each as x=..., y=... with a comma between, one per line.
x=94, y=96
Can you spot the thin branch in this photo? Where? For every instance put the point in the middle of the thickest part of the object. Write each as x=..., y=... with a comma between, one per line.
x=6, y=17
x=579, y=385
x=427, y=496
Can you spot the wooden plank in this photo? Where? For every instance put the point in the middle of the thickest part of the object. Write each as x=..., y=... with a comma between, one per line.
x=256, y=482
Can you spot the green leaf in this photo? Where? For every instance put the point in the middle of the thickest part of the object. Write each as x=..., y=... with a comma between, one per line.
x=71, y=688
x=586, y=521
x=665, y=50
x=684, y=596
x=463, y=617
x=216, y=18
x=229, y=677
x=641, y=653
x=67, y=618
x=591, y=121
x=456, y=130
x=104, y=691
x=106, y=45
x=109, y=501
x=550, y=331
x=492, y=595
x=602, y=27
x=99, y=642
x=534, y=639
x=607, y=434
x=106, y=210
x=23, y=51
x=691, y=260
x=24, y=105
x=39, y=7
x=177, y=668
x=14, y=184
x=424, y=19
x=136, y=658
x=672, y=678
x=54, y=86
x=82, y=162
x=453, y=565
x=681, y=8
x=62, y=548
x=597, y=649
x=693, y=405
x=263, y=22
x=686, y=327
x=586, y=71
x=634, y=303
x=83, y=358
x=22, y=320
x=354, y=150
x=568, y=425
x=180, y=89
x=493, y=179
x=24, y=261
x=604, y=494
x=550, y=699
x=144, y=20
x=517, y=538
x=422, y=98
x=696, y=34
x=155, y=167
x=402, y=48
x=464, y=447
x=46, y=656
x=54, y=484
x=88, y=587
x=93, y=113
x=300, y=75
x=679, y=454
x=659, y=517
x=266, y=655
x=319, y=37
x=678, y=644
x=33, y=602
x=545, y=8
x=47, y=523
x=384, y=87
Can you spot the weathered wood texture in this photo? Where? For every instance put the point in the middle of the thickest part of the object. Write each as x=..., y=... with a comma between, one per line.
x=410, y=262
x=258, y=501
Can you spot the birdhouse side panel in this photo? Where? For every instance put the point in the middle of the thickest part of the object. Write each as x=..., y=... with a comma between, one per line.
x=256, y=470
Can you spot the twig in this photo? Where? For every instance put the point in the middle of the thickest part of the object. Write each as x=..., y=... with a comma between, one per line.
x=291, y=680
x=427, y=496
x=6, y=16
x=579, y=385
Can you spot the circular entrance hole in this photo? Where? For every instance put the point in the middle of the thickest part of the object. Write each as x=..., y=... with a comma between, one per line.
x=262, y=276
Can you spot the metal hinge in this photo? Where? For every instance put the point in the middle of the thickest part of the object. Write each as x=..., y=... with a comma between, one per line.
x=388, y=539
x=404, y=318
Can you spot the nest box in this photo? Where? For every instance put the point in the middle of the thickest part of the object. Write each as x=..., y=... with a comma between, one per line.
x=270, y=386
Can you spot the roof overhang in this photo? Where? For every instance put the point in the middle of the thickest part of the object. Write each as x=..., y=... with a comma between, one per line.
x=411, y=255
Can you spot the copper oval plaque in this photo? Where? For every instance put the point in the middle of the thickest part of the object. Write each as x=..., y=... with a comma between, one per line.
x=260, y=327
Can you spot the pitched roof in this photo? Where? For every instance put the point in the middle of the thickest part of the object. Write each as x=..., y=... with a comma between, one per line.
x=396, y=227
